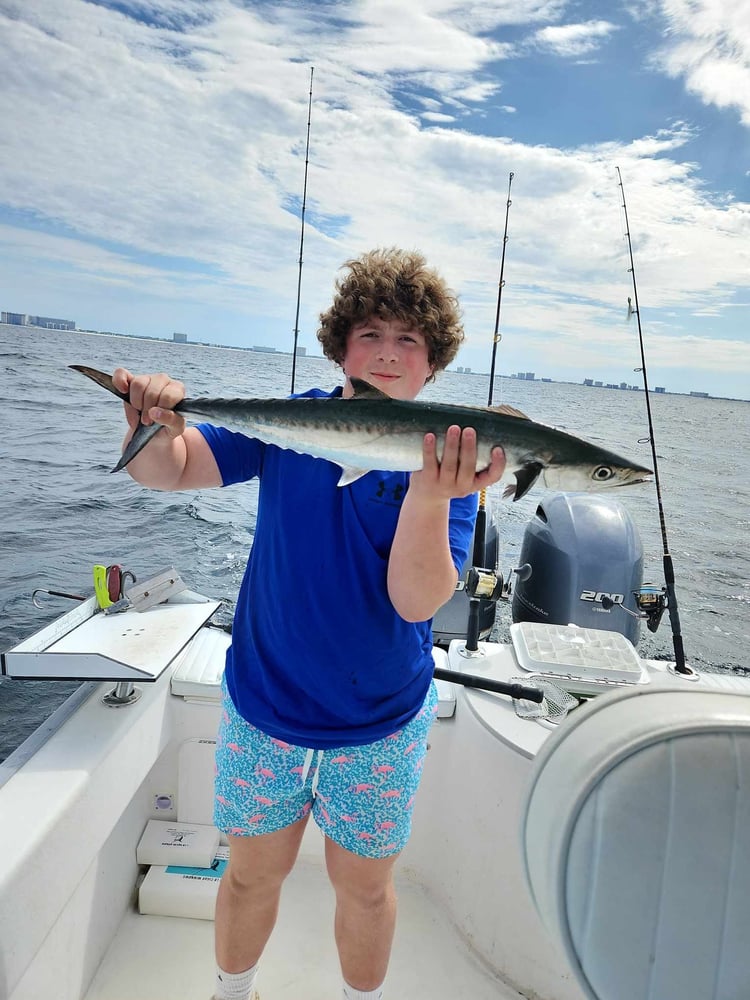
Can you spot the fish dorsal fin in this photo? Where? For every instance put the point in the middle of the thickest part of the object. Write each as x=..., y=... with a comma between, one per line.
x=363, y=390
x=508, y=411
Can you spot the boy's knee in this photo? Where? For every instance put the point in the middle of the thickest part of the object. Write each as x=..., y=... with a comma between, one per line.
x=257, y=863
x=366, y=881
x=244, y=877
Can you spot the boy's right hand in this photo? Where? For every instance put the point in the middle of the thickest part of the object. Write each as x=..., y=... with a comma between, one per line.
x=152, y=399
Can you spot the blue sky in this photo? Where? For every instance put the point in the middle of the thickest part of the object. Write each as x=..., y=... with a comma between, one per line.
x=154, y=159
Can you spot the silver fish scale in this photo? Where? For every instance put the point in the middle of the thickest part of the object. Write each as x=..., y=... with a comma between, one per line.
x=345, y=434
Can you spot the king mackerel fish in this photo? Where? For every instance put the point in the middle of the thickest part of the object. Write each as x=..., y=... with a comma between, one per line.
x=372, y=431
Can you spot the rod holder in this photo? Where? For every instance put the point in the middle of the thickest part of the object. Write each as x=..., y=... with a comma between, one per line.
x=124, y=693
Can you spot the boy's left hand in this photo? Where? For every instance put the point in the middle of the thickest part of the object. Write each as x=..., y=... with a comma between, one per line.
x=455, y=475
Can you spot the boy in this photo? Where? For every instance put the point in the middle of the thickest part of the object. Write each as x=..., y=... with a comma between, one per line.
x=327, y=705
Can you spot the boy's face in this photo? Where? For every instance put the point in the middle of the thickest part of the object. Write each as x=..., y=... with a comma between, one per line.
x=389, y=355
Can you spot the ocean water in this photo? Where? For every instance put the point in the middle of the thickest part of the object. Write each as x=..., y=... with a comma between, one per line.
x=61, y=511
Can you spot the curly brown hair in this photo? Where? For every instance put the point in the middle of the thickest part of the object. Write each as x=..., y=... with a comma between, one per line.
x=394, y=284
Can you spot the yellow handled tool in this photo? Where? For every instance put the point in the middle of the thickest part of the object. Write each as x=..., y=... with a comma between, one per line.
x=101, y=588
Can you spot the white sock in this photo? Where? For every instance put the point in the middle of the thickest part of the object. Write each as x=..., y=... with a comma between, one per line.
x=235, y=986
x=351, y=994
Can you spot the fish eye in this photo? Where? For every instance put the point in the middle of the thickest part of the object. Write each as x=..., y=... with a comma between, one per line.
x=602, y=473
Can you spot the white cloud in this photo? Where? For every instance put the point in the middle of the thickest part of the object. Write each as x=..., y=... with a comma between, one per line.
x=574, y=39
x=477, y=92
x=709, y=46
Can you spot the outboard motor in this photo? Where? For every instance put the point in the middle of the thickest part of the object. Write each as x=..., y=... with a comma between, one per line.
x=586, y=561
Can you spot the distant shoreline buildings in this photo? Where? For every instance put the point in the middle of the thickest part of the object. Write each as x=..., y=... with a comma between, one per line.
x=44, y=322
x=592, y=383
x=622, y=385
x=54, y=323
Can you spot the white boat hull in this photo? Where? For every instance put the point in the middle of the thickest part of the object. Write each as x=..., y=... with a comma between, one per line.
x=74, y=811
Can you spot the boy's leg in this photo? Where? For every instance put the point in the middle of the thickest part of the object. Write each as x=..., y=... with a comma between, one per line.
x=365, y=914
x=249, y=891
x=261, y=803
x=363, y=804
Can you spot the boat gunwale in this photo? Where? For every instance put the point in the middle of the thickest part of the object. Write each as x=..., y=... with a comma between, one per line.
x=44, y=732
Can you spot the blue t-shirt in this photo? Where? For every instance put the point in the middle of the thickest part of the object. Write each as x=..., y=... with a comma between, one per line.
x=319, y=656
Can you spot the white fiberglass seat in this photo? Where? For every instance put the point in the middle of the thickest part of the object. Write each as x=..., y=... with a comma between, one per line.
x=636, y=835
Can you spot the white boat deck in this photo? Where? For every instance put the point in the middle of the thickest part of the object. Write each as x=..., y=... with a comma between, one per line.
x=171, y=958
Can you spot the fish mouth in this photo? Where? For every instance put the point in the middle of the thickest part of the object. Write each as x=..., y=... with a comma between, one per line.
x=645, y=478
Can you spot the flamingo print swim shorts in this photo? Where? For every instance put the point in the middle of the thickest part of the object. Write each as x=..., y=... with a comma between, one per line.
x=361, y=797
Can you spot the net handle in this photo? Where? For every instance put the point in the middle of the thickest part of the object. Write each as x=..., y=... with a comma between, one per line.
x=515, y=691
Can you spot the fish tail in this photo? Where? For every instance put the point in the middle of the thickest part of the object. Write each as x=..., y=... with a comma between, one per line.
x=136, y=444
x=142, y=434
x=102, y=379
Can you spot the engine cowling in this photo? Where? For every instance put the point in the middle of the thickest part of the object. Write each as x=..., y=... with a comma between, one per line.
x=582, y=548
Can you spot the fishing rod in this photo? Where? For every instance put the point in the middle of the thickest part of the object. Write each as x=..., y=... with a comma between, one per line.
x=496, y=337
x=302, y=230
x=477, y=599
x=672, y=609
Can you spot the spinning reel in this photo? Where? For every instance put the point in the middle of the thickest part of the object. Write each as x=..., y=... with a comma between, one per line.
x=651, y=602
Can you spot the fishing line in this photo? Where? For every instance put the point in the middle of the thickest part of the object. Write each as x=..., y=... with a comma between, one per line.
x=302, y=230
x=672, y=609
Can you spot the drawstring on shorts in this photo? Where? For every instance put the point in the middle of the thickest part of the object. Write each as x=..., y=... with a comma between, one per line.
x=306, y=769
